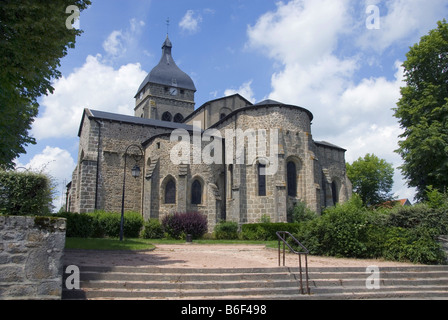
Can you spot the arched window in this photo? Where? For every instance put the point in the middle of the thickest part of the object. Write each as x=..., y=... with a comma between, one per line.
x=222, y=116
x=261, y=180
x=334, y=191
x=167, y=116
x=230, y=181
x=292, y=179
x=170, y=192
x=178, y=118
x=196, y=192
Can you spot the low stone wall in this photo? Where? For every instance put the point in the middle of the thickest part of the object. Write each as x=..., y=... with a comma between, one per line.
x=31, y=251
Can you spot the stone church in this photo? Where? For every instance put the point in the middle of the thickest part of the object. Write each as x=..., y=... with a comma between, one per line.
x=238, y=141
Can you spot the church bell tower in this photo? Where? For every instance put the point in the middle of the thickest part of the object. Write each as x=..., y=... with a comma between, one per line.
x=167, y=93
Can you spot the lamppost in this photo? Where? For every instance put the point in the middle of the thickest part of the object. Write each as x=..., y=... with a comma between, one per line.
x=135, y=173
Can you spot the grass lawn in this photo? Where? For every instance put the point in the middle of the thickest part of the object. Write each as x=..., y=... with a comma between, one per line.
x=146, y=244
x=108, y=244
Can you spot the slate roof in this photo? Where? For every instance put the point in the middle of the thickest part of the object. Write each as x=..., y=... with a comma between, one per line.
x=167, y=72
x=115, y=117
x=328, y=144
x=267, y=102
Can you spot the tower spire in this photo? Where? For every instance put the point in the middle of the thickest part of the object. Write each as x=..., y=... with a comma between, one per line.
x=167, y=25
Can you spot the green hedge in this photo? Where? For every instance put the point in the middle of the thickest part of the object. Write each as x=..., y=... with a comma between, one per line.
x=266, y=231
x=25, y=193
x=79, y=225
x=101, y=224
x=226, y=230
x=152, y=229
x=400, y=234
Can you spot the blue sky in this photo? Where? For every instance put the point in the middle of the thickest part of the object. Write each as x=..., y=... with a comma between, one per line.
x=318, y=54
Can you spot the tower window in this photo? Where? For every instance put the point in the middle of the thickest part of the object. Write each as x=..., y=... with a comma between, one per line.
x=196, y=192
x=261, y=180
x=292, y=179
x=334, y=191
x=167, y=116
x=178, y=118
x=170, y=192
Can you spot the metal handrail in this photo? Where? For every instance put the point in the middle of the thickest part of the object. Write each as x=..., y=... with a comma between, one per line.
x=282, y=238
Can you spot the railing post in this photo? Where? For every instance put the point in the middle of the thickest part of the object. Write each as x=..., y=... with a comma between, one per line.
x=284, y=249
x=278, y=251
x=281, y=235
x=307, y=277
x=300, y=270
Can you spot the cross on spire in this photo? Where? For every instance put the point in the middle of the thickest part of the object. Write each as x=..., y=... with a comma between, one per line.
x=167, y=25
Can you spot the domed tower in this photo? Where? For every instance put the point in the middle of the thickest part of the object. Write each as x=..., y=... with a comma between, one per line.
x=167, y=93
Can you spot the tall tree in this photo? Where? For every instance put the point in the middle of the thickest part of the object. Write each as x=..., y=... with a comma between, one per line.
x=423, y=113
x=372, y=179
x=33, y=38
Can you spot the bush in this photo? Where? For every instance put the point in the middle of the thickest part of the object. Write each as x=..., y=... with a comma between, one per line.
x=341, y=231
x=25, y=193
x=400, y=234
x=78, y=225
x=100, y=224
x=226, y=230
x=266, y=231
x=107, y=224
x=416, y=246
x=301, y=213
x=178, y=225
x=152, y=230
x=420, y=215
x=133, y=224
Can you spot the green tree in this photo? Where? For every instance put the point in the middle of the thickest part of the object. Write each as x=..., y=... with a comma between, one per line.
x=372, y=179
x=33, y=38
x=423, y=113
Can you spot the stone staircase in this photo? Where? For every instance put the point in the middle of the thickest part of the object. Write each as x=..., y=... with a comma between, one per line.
x=121, y=283
x=415, y=282
x=181, y=283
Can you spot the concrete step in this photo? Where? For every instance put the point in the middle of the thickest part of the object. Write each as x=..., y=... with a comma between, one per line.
x=194, y=294
x=416, y=282
x=419, y=282
x=166, y=283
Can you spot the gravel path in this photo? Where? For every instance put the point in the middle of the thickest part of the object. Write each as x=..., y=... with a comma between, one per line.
x=207, y=256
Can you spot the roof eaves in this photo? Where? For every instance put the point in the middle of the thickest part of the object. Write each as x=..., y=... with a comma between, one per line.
x=214, y=100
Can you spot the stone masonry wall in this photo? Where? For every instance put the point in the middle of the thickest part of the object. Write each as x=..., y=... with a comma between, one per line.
x=293, y=127
x=160, y=169
x=115, y=137
x=31, y=251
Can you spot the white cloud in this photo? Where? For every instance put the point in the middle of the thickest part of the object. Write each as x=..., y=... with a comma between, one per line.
x=54, y=161
x=117, y=43
x=301, y=30
x=245, y=90
x=190, y=21
x=95, y=85
x=357, y=116
x=57, y=164
x=114, y=45
x=403, y=21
